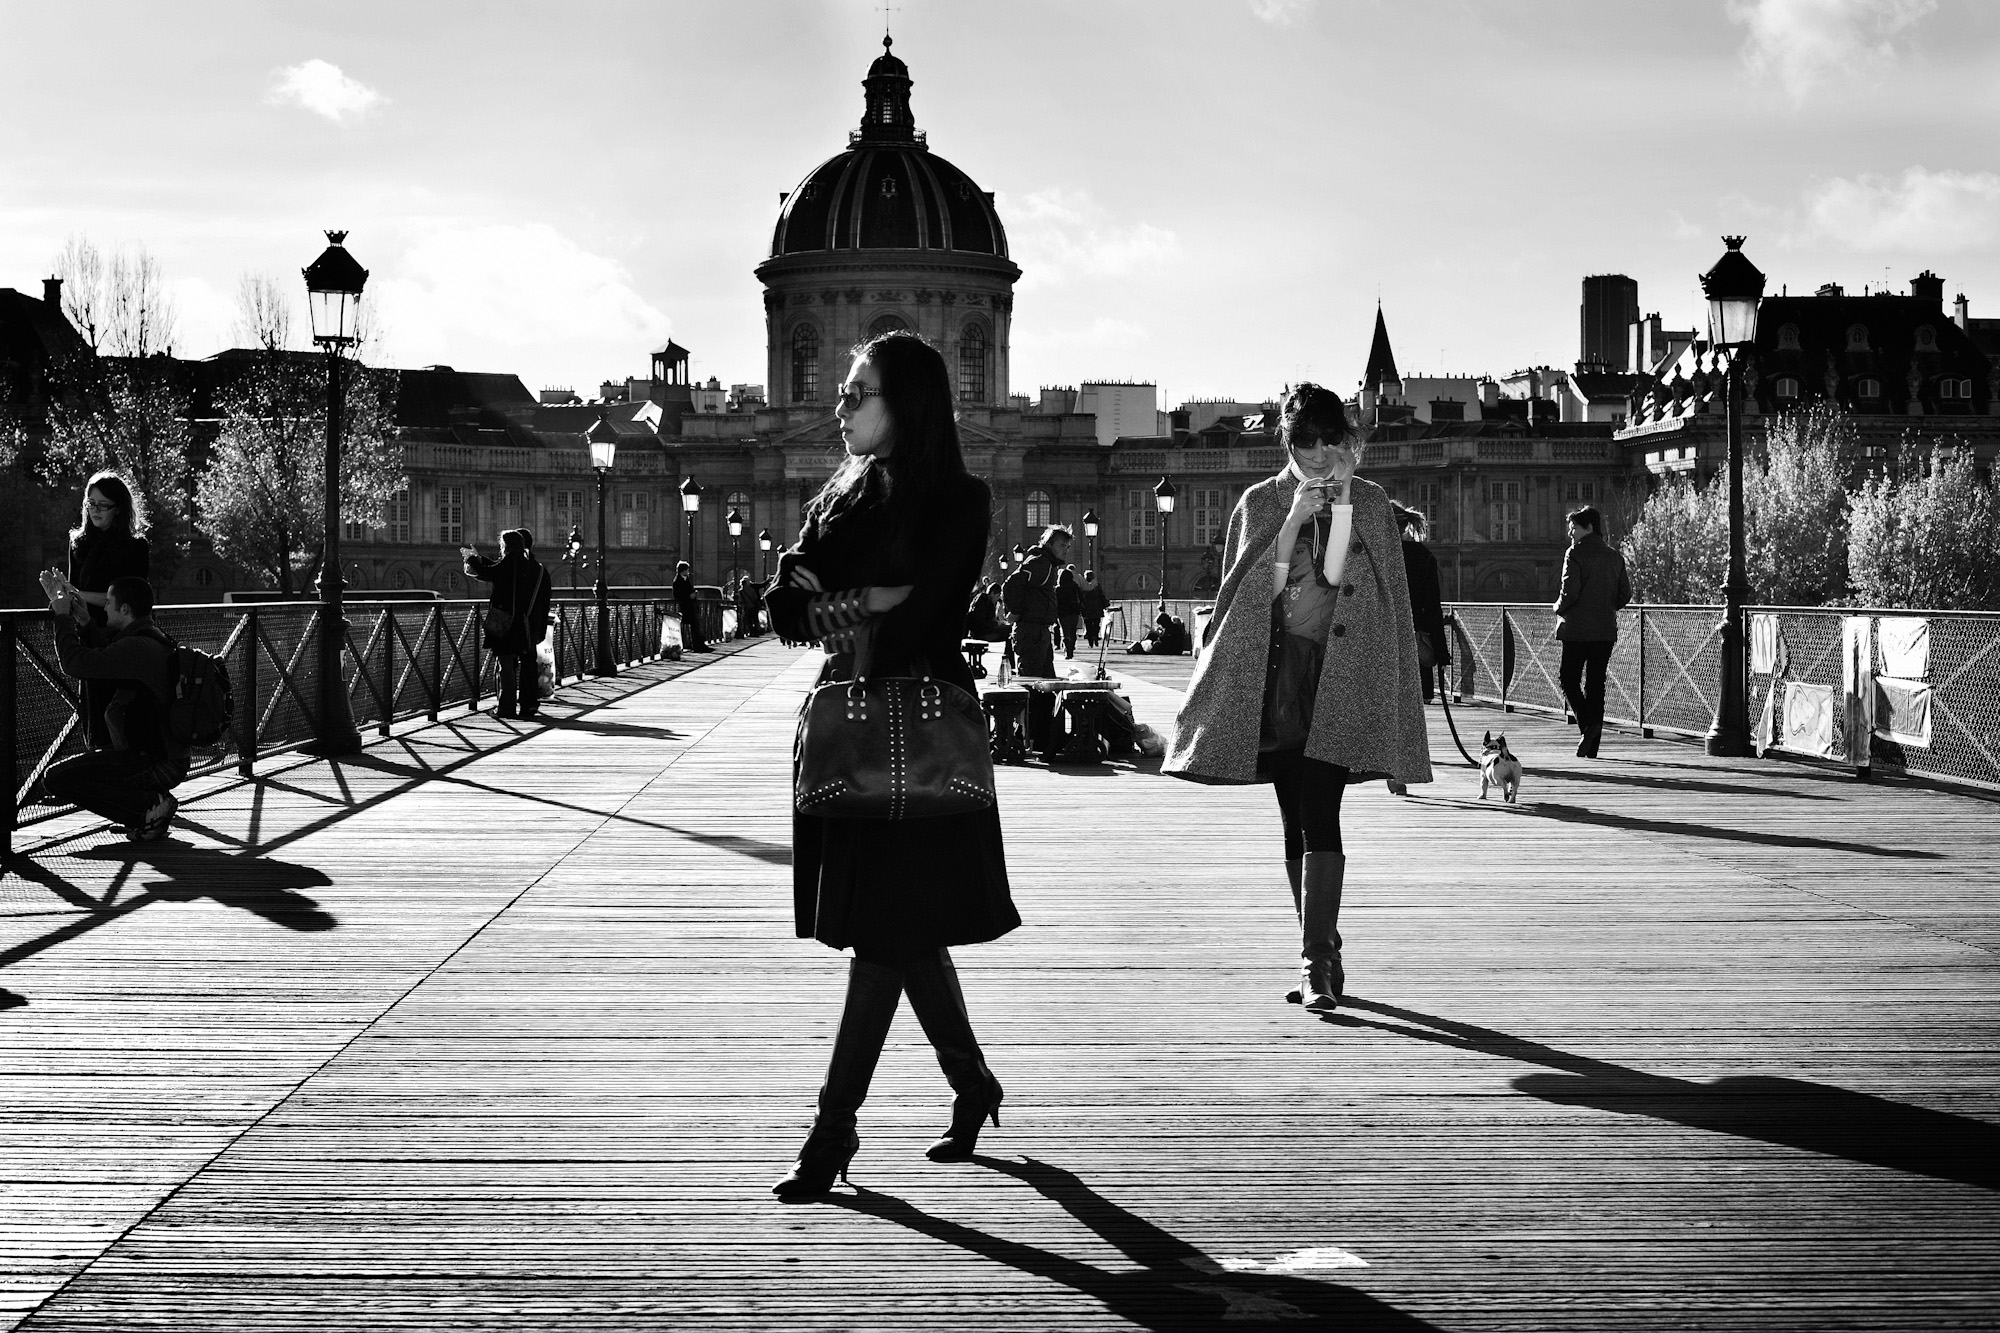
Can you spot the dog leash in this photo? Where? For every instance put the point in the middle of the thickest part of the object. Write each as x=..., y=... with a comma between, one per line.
x=1444, y=697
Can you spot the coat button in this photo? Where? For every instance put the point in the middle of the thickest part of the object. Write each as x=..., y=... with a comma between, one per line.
x=1355, y=549
x=1339, y=630
x=1347, y=591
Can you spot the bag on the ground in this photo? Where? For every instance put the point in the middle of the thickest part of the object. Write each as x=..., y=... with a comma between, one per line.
x=891, y=747
x=545, y=665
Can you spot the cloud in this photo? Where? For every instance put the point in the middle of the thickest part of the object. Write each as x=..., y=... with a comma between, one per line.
x=1063, y=235
x=323, y=89
x=1931, y=211
x=1803, y=43
x=512, y=285
x=1282, y=13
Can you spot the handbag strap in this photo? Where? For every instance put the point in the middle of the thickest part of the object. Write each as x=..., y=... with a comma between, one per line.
x=864, y=653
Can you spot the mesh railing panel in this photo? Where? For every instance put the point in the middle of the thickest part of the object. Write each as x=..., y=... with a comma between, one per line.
x=1683, y=647
x=1964, y=677
x=1480, y=650
x=1537, y=659
x=397, y=653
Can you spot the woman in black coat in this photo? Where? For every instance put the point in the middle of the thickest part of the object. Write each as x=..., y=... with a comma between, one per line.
x=890, y=550
x=520, y=588
x=690, y=609
x=1426, y=599
x=107, y=543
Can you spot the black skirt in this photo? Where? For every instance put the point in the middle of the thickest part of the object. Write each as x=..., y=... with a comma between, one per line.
x=901, y=883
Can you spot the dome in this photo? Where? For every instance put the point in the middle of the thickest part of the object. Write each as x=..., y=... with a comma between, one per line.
x=884, y=198
x=888, y=191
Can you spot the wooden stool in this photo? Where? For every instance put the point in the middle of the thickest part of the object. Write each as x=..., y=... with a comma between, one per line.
x=975, y=656
x=1006, y=715
x=1083, y=709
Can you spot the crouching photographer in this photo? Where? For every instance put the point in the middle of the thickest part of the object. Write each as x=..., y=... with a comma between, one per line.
x=132, y=782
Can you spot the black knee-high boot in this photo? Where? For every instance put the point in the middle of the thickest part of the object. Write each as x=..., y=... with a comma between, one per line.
x=872, y=992
x=932, y=984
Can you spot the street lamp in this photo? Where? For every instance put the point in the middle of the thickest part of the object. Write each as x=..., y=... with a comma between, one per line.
x=603, y=442
x=1020, y=556
x=764, y=560
x=1733, y=288
x=735, y=521
x=333, y=300
x=1163, y=499
x=573, y=555
x=690, y=505
x=1090, y=531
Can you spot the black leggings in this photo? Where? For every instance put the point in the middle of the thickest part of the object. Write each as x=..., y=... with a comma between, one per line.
x=1309, y=792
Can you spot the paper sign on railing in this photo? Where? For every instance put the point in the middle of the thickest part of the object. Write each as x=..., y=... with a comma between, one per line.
x=1809, y=718
x=1764, y=644
x=1903, y=711
x=1906, y=646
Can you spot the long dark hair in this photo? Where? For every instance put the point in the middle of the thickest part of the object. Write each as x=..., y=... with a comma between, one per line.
x=924, y=456
x=127, y=520
x=1311, y=410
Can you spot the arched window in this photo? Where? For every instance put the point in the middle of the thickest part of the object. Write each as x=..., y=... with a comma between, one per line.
x=886, y=324
x=1868, y=388
x=1788, y=336
x=972, y=365
x=805, y=364
x=1041, y=510
x=1787, y=387
x=1857, y=335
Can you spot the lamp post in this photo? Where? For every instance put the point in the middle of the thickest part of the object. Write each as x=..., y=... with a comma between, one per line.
x=333, y=297
x=573, y=555
x=690, y=505
x=764, y=556
x=735, y=522
x=1163, y=500
x=603, y=442
x=1020, y=555
x=1090, y=531
x=1733, y=288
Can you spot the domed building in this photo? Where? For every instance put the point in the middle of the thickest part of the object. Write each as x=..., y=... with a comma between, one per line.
x=886, y=235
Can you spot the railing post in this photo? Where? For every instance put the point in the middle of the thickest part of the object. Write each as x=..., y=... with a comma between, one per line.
x=247, y=711
x=388, y=667
x=1506, y=658
x=437, y=660
x=1644, y=729
x=9, y=737
x=478, y=668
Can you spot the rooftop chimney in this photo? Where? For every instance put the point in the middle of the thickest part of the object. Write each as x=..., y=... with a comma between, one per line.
x=1928, y=287
x=52, y=292
x=1961, y=311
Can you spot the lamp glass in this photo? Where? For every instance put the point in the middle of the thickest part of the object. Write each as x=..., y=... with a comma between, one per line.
x=604, y=454
x=1090, y=523
x=1732, y=322
x=333, y=315
x=1165, y=502
x=735, y=523
x=764, y=540
x=691, y=495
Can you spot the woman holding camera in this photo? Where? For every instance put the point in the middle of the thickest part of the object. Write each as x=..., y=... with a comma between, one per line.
x=108, y=542
x=1309, y=677
x=885, y=561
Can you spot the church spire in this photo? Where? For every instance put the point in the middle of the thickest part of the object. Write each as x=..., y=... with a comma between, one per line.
x=1381, y=361
x=888, y=118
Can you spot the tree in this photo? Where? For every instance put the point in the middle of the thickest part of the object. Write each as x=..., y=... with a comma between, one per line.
x=263, y=314
x=120, y=306
x=261, y=498
x=1678, y=550
x=1795, y=508
x=1929, y=536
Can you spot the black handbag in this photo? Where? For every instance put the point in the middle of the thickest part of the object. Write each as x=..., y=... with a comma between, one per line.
x=890, y=747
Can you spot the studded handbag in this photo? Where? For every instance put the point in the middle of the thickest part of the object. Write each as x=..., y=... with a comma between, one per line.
x=890, y=747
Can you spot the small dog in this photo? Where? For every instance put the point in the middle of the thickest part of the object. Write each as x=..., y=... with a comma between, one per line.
x=1499, y=768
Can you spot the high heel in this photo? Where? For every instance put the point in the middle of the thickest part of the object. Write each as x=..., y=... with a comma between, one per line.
x=821, y=1159
x=970, y=1111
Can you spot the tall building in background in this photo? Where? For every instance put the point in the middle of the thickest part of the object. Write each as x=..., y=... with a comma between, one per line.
x=1122, y=407
x=1610, y=308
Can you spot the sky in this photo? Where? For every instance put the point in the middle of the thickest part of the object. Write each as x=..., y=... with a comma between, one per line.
x=1211, y=195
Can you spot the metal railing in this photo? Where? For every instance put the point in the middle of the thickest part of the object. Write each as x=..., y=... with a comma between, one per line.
x=1664, y=674
x=402, y=659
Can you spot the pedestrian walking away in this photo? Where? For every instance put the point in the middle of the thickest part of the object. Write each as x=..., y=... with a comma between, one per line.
x=1308, y=679
x=131, y=779
x=689, y=608
x=889, y=552
x=1029, y=595
x=1595, y=587
x=1094, y=602
x=1069, y=608
x=108, y=542
x=1420, y=571
x=517, y=618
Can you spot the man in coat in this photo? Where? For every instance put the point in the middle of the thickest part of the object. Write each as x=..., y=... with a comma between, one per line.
x=1029, y=594
x=1094, y=601
x=521, y=592
x=1069, y=608
x=689, y=607
x=1595, y=585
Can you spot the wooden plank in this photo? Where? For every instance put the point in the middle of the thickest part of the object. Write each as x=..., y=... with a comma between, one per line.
x=1675, y=1041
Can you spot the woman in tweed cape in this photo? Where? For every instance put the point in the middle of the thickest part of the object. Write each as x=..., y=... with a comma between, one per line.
x=1365, y=711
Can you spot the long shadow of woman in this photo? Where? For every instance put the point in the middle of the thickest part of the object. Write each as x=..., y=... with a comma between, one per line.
x=1174, y=1288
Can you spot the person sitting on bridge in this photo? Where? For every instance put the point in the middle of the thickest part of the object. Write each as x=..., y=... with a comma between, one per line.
x=131, y=783
x=1169, y=637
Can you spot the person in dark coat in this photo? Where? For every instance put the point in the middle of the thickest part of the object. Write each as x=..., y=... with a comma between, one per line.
x=1093, y=601
x=1595, y=586
x=890, y=550
x=689, y=608
x=108, y=542
x=520, y=588
x=1069, y=608
x=1420, y=568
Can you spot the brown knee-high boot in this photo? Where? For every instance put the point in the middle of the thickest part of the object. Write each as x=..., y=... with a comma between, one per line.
x=872, y=994
x=1322, y=979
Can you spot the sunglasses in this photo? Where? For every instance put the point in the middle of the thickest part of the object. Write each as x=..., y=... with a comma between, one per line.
x=96, y=508
x=853, y=395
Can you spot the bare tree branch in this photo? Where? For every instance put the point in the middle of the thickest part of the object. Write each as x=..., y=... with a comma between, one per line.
x=263, y=313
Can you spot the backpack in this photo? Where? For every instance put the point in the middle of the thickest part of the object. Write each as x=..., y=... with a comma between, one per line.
x=203, y=702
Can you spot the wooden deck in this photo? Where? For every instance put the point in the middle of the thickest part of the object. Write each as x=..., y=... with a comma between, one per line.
x=504, y=1028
